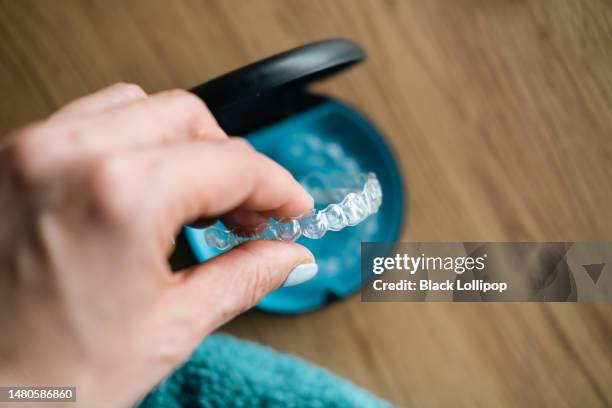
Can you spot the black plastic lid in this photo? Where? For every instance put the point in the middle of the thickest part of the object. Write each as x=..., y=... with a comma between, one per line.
x=294, y=67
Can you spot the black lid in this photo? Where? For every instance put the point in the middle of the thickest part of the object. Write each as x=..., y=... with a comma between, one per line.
x=294, y=67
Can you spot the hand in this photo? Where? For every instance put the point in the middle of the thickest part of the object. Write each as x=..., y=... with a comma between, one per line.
x=90, y=200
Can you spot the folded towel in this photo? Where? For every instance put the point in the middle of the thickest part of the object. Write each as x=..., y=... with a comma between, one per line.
x=228, y=372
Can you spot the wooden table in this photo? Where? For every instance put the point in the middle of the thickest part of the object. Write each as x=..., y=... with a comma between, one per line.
x=501, y=114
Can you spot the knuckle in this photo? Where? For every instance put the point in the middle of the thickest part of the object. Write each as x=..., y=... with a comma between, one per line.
x=130, y=89
x=198, y=119
x=107, y=188
x=260, y=285
x=188, y=101
x=261, y=276
x=189, y=97
x=183, y=96
x=240, y=146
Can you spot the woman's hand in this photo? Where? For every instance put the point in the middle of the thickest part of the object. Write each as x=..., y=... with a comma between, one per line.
x=90, y=200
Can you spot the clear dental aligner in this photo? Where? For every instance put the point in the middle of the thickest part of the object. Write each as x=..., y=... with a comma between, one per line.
x=354, y=198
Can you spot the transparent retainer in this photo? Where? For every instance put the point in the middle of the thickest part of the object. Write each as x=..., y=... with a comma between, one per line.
x=350, y=199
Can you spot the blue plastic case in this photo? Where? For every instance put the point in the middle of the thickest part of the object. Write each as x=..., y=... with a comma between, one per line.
x=267, y=103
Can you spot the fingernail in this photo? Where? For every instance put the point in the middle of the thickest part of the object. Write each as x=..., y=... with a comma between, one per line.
x=301, y=274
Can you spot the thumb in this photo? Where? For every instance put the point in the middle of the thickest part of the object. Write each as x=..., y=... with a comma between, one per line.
x=232, y=283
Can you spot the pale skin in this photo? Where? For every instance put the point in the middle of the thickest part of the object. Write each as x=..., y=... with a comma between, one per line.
x=90, y=200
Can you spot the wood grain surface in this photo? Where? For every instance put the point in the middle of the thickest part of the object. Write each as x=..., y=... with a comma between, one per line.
x=500, y=112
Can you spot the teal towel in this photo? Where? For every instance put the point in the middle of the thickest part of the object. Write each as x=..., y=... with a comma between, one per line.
x=228, y=372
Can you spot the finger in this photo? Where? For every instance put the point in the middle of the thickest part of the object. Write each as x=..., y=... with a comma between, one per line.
x=244, y=221
x=240, y=221
x=104, y=99
x=210, y=178
x=235, y=281
x=169, y=117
